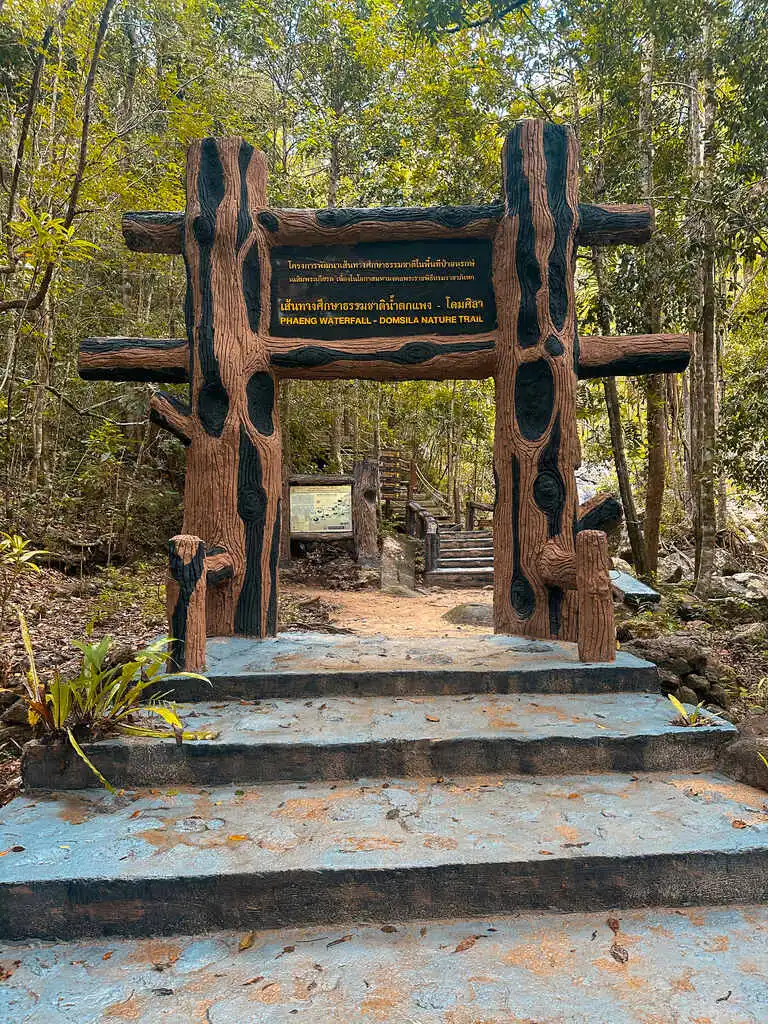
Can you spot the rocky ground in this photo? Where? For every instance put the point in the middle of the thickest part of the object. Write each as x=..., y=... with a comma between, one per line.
x=715, y=651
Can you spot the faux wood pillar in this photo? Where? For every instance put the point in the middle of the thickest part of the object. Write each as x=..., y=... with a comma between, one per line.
x=234, y=481
x=536, y=447
x=364, y=523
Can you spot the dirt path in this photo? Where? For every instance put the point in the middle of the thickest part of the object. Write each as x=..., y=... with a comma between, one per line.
x=369, y=611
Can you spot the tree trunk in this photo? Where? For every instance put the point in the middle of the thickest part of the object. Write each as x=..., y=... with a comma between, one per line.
x=364, y=525
x=613, y=408
x=655, y=385
x=233, y=489
x=707, y=411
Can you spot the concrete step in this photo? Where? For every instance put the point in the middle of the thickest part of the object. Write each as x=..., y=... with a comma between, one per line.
x=449, y=547
x=340, y=737
x=193, y=859
x=465, y=562
x=306, y=664
x=459, y=577
x=556, y=968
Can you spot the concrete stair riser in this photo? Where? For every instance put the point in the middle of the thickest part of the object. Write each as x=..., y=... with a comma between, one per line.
x=185, y=903
x=162, y=763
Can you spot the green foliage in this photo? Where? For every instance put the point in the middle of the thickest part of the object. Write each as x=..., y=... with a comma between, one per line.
x=17, y=560
x=102, y=698
x=692, y=718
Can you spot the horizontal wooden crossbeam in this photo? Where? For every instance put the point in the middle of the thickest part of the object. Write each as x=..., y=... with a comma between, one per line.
x=470, y=356
x=605, y=224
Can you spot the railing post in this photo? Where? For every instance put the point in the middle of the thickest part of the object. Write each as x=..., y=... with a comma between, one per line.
x=185, y=600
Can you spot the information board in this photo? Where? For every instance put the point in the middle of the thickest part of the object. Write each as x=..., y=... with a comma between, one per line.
x=382, y=289
x=321, y=509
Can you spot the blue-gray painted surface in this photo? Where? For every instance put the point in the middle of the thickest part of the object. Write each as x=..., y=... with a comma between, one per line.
x=297, y=664
x=698, y=965
x=273, y=855
x=339, y=737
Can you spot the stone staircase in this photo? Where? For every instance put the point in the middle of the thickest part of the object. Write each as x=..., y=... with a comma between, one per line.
x=360, y=780
x=466, y=560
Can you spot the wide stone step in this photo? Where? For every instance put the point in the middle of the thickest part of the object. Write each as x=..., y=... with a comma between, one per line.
x=307, y=664
x=680, y=965
x=195, y=859
x=465, y=562
x=337, y=738
x=459, y=577
x=462, y=550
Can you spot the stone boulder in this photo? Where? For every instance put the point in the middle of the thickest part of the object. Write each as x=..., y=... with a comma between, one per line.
x=471, y=614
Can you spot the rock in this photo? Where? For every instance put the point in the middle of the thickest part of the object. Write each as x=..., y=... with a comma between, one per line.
x=471, y=614
x=7, y=697
x=16, y=714
x=675, y=576
x=726, y=564
x=754, y=725
x=398, y=590
x=718, y=695
x=698, y=683
x=689, y=608
x=739, y=611
x=740, y=760
x=717, y=671
x=686, y=695
x=752, y=631
x=668, y=681
x=622, y=565
x=679, y=666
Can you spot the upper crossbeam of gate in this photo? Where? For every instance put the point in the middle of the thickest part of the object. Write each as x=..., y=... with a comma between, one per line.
x=599, y=224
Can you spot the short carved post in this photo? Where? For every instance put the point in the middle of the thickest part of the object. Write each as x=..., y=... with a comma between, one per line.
x=364, y=526
x=536, y=445
x=596, y=629
x=185, y=600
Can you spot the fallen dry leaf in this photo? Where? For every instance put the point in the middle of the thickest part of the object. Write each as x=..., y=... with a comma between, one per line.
x=285, y=949
x=619, y=953
x=7, y=967
x=108, y=955
x=252, y=981
x=466, y=943
x=12, y=849
x=432, y=718
x=336, y=942
x=388, y=928
x=614, y=924
x=738, y=823
x=237, y=839
x=546, y=853
x=247, y=941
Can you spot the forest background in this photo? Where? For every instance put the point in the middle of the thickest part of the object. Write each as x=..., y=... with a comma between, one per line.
x=368, y=103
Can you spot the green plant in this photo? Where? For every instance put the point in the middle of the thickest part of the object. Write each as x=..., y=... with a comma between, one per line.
x=17, y=559
x=102, y=698
x=763, y=758
x=688, y=718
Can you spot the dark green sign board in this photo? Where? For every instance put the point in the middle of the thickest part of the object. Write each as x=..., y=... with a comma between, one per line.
x=382, y=289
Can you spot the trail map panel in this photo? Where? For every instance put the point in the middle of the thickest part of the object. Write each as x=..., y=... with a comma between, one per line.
x=321, y=509
x=381, y=289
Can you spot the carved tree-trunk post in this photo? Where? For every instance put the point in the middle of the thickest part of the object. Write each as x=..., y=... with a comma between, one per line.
x=536, y=447
x=233, y=484
x=597, y=632
x=364, y=525
x=185, y=599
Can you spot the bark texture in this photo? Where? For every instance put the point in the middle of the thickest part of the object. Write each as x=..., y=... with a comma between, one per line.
x=536, y=447
x=185, y=603
x=597, y=633
x=234, y=482
x=364, y=524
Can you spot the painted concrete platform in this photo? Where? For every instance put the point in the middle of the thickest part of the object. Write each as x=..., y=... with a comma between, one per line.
x=298, y=664
x=343, y=737
x=279, y=855
x=696, y=966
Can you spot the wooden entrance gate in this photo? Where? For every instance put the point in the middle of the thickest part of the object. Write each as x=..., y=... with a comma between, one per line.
x=246, y=330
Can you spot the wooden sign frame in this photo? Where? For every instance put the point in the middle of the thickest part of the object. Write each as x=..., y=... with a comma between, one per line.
x=551, y=576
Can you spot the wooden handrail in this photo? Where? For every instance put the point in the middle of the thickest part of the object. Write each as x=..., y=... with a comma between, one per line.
x=422, y=524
